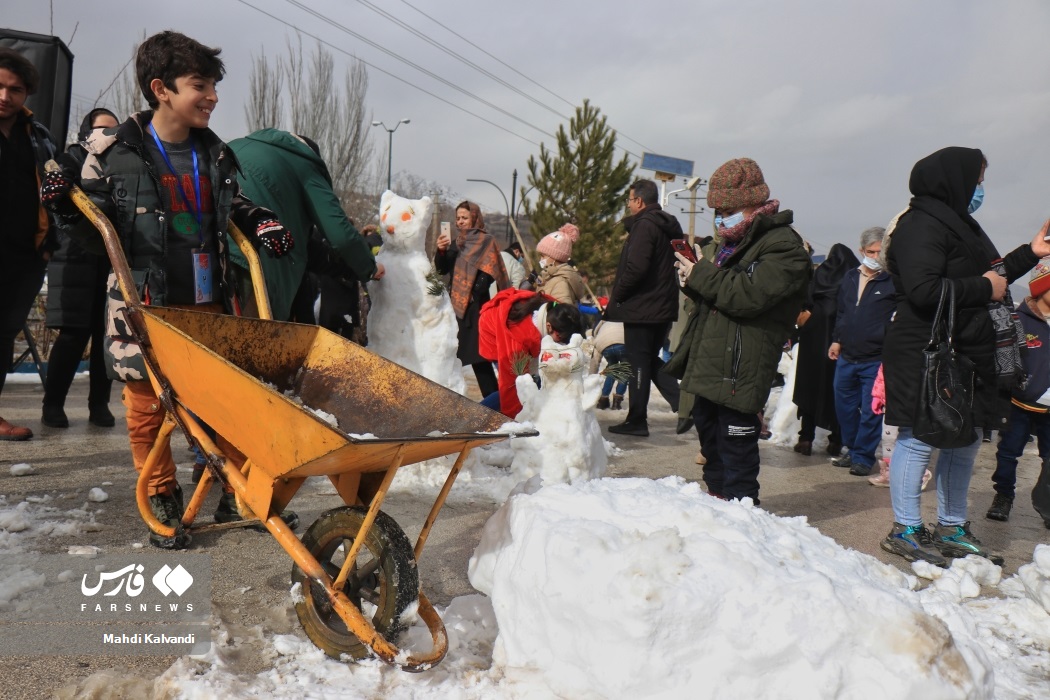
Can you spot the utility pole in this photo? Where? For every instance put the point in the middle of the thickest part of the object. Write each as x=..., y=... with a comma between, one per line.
x=390, y=148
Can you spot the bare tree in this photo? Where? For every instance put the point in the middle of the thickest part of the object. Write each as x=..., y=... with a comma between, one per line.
x=332, y=116
x=264, y=97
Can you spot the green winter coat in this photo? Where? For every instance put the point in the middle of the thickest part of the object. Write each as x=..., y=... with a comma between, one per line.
x=745, y=311
x=282, y=173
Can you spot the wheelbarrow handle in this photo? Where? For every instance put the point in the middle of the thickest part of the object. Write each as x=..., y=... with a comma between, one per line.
x=109, y=237
x=262, y=301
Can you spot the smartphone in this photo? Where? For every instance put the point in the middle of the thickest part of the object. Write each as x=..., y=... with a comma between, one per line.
x=680, y=245
x=446, y=229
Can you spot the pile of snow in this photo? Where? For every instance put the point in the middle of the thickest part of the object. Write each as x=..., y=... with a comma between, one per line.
x=636, y=588
x=22, y=469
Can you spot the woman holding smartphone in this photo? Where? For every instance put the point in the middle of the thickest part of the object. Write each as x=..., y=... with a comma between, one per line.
x=474, y=261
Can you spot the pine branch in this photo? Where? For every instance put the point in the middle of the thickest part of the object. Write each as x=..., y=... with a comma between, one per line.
x=520, y=363
x=620, y=371
x=435, y=285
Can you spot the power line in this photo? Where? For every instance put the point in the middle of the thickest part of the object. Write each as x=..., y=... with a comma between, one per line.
x=412, y=64
x=412, y=30
x=512, y=68
x=386, y=72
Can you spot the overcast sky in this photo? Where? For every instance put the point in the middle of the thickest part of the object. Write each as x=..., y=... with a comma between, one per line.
x=835, y=99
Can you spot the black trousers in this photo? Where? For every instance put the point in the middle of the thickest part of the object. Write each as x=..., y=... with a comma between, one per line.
x=21, y=276
x=642, y=342
x=729, y=443
x=808, y=430
x=64, y=360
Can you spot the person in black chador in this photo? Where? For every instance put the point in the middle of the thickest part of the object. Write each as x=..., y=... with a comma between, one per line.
x=815, y=374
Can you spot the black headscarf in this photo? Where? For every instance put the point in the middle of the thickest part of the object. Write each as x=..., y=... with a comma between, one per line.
x=949, y=176
x=85, y=126
x=828, y=276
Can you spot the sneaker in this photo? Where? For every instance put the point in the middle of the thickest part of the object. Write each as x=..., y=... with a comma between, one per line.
x=54, y=417
x=167, y=508
x=226, y=512
x=844, y=461
x=101, y=416
x=635, y=429
x=860, y=470
x=603, y=403
x=913, y=542
x=958, y=541
x=1000, y=509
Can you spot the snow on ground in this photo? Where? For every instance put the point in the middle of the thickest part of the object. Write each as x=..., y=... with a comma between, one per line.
x=638, y=588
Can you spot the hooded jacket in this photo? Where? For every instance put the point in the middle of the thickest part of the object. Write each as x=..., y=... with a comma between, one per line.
x=282, y=173
x=934, y=240
x=505, y=343
x=563, y=283
x=745, y=310
x=1036, y=360
x=646, y=288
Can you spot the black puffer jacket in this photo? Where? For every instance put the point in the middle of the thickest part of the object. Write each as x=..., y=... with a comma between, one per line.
x=937, y=239
x=76, y=279
x=646, y=288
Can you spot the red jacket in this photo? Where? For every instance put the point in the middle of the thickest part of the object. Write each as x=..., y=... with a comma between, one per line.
x=503, y=344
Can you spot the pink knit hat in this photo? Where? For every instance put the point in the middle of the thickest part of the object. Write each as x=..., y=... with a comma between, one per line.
x=558, y=245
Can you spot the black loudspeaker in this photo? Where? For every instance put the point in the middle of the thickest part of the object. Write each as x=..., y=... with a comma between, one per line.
x=54, y=62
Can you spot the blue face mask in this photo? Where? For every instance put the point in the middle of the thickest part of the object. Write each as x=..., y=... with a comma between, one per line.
x=729, y=221
x=978, y=197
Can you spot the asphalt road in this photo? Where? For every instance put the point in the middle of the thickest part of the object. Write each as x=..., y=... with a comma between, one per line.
x=251, y=578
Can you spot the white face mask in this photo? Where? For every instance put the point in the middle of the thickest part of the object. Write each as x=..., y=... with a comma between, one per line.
x=871, y=263
x=543, y=263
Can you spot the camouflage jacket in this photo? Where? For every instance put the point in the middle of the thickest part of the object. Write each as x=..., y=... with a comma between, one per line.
x=119, y=176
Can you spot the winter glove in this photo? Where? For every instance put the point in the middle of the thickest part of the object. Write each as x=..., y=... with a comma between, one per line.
x=54, y=190
x=274, y=237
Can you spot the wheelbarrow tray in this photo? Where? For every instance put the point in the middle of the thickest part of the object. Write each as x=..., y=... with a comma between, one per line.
x=241, y=376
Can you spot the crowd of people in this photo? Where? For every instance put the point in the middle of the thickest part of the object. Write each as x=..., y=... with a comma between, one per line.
x=172, y=187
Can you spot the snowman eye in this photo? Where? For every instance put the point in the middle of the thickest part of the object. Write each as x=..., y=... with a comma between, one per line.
x=406, y=216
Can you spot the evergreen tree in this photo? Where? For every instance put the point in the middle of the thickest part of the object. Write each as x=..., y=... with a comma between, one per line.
x=583, y=184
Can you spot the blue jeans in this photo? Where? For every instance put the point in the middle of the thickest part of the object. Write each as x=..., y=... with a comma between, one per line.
x=1012, y=442
x=613, y=354
x=911, y=458
x=861, y=428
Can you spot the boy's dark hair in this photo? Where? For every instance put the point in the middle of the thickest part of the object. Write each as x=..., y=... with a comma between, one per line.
x=170, y=55
x=564, y=319
x=22, y=67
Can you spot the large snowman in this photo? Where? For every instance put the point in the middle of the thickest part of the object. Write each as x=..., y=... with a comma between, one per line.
x=408, y=323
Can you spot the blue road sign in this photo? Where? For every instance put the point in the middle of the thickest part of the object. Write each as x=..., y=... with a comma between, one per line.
x=667, y=164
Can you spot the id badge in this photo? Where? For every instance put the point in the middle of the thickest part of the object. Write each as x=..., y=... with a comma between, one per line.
x=203, y=272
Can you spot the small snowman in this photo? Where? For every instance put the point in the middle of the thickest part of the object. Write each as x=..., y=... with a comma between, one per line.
x=409, y=324
x=570, y=446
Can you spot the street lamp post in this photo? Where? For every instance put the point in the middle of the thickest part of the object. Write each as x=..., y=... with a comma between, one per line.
x=505, y=203
x=390, y=148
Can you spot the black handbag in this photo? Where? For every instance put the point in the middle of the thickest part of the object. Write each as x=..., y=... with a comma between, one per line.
x=944, y=414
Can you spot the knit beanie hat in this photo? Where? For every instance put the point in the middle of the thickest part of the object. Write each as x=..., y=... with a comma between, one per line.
x=558, y=245
x=736, y=184
x=1039, y=282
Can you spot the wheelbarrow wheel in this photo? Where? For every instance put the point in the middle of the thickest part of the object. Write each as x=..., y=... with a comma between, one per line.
x=383, y=582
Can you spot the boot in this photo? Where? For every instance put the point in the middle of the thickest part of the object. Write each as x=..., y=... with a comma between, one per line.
x=54, y=417
x=1000, y=509
x=617, y=402
x=804, y=447
x=883, y=477
x=100, y=415
x=167, y=507
x=603, y=403
x=227, y=512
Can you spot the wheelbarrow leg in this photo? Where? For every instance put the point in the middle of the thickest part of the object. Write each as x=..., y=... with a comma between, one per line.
x=439, y=502
x=142, y=485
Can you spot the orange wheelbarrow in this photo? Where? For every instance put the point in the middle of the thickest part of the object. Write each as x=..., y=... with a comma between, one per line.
x=300, y=401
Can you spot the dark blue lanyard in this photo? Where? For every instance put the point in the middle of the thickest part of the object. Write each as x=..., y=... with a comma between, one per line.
x=196, y=206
